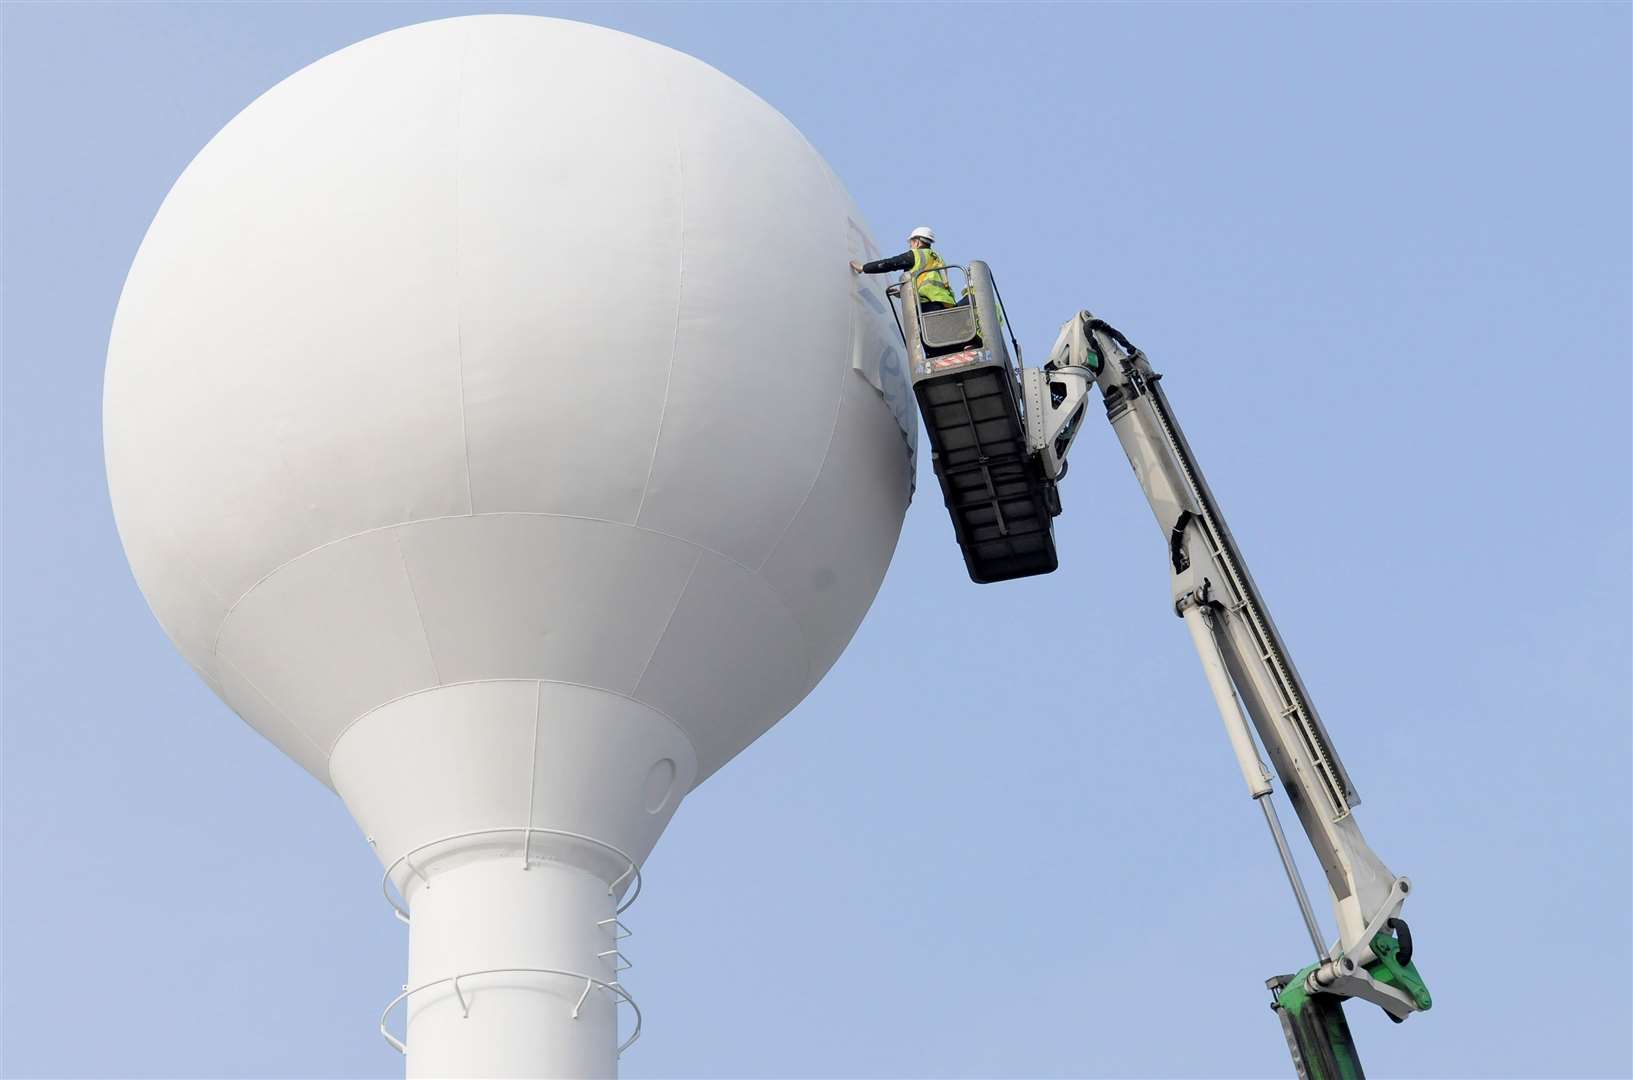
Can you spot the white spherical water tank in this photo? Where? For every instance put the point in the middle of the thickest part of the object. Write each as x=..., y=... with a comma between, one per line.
x=493, y=421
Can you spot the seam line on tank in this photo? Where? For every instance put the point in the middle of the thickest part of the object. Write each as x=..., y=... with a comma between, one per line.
x=212, y=676
x=419, y=616
x=459, y=312
x=696, y=759
x=264, y=578
x=827, y=451
x=674, y=340
x=456, y=517
x=658, y=643
x=799, y=628
x=841, y=197
x=262, y=694
x=533, y=769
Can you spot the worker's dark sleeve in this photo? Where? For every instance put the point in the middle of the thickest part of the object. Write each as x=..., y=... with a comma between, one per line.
x=904, y=261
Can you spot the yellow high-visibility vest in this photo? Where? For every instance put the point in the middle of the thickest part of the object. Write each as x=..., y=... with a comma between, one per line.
x=931, y=286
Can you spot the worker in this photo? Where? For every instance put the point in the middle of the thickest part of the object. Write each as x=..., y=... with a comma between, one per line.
x=934, y=293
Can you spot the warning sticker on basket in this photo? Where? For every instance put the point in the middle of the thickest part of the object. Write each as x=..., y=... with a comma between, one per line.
x=957, y=359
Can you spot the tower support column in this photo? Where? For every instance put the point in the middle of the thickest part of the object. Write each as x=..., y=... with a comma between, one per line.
x=512, y=973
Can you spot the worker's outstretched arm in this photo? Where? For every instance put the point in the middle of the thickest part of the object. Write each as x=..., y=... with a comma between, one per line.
x=896, y=263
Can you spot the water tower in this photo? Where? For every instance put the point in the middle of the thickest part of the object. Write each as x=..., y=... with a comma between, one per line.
x=494, y=423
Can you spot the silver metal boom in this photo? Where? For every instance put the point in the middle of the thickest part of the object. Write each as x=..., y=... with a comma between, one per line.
x=1241, y=651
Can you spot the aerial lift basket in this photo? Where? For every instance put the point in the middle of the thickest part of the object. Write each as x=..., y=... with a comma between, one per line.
x=968, y=386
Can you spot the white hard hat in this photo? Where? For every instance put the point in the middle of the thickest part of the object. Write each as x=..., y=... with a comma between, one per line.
x=923, y=232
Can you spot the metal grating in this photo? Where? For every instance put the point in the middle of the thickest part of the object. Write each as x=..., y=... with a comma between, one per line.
x=994, y=489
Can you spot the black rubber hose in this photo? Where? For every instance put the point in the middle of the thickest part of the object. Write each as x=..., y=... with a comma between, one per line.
x=1404, y=933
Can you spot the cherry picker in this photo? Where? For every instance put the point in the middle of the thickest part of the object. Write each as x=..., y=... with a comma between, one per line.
x=999, y=434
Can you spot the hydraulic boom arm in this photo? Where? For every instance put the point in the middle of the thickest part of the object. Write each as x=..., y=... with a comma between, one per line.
x=1228, y=617
x=1247, y=664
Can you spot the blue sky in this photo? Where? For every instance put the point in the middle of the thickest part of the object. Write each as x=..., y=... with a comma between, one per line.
x=1381, y=254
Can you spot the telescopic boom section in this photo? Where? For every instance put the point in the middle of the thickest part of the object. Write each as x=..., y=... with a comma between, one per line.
x=1246, y=659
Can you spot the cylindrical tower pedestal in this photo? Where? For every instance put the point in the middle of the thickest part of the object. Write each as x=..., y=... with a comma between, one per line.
x=511, y=816
x=513, y=972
